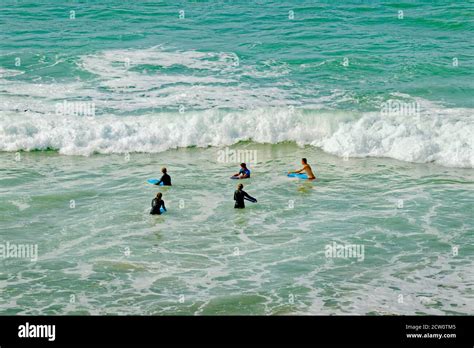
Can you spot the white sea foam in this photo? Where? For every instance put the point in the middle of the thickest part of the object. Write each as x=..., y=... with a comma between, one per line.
x=441, y=139
x=217, y=109
x=206, y=79
x=440, y=135
x=9, y=72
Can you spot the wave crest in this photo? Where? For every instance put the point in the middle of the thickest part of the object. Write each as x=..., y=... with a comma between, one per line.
x=445, y=138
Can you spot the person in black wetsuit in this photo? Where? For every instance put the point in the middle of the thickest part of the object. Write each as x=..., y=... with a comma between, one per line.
x=240, y=195
x=165, y=178
x=156, y=204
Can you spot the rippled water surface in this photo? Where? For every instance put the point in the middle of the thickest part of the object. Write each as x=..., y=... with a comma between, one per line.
x=205, y=257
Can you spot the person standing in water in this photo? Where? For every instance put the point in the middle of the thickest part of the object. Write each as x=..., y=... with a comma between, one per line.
x=165, y=178
x=240, y=195
x=244, y=172
x=156, y=204
x=306, y=168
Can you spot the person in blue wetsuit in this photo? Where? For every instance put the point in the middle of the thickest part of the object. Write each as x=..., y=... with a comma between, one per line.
x=244, y=172
x=165, y=178
x=240, y=195
x=156, y=204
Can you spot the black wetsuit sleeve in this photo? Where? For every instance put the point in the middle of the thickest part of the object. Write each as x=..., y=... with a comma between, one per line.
x=250, y=198
x=165, y=179
x=159, y=182
x=163, y=205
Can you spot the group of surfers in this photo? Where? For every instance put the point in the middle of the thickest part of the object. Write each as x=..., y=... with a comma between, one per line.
x=239, y=195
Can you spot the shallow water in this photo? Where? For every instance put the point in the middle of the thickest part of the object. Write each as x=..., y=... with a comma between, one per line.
x=205, y=257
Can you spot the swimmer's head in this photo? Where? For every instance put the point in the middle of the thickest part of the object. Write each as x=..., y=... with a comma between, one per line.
x=163, y=170
x=240, y=186
x=159, y=195
x=243, y=165
x=304, y=161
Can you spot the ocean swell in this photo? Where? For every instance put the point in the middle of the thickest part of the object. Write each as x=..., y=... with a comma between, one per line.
x=444, y=137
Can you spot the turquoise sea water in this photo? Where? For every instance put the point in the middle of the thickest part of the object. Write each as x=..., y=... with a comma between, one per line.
x=377, y=95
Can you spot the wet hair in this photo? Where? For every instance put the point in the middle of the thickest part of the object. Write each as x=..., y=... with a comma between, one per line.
x=304, y=160
x=240, y=186
x=243, y=165
x=163, y=170
x=159, y=195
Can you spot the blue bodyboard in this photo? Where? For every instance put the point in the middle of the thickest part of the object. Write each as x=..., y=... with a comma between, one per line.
x=298, y=175
x=154, y=181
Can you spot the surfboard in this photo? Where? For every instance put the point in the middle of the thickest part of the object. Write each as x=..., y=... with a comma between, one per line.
x=298, y=175
x=154, y=181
